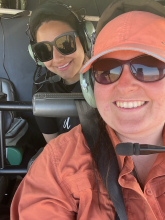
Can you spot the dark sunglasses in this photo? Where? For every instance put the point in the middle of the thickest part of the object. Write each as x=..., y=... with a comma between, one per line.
x=64, y=43
x=144, y=68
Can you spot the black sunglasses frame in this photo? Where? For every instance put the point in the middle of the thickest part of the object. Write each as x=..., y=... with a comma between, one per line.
x=123, y=62
x=53, y=43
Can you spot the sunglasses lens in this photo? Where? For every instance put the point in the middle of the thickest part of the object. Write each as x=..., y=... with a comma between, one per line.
x=107, y=71
x=43, y=51
x=147, y=68
x=66, y=44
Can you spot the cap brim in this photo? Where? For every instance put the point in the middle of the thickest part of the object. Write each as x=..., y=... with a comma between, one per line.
x=155, y=52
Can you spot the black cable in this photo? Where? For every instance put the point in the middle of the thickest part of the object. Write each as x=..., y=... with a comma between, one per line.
x=38, y=72
x=11, y=90
x=42, y=83
x=4, y=49
x=20, y=14
x=79, y=13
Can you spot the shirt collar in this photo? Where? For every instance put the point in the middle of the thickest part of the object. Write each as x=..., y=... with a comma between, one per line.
x=116, y=141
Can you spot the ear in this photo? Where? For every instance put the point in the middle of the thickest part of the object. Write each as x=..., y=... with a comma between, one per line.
x=39, y=63
x=87, y=88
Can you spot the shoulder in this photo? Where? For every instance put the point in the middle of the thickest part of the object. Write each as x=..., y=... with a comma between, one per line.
x=69, y=153
x=67, y=161
x=70, y=144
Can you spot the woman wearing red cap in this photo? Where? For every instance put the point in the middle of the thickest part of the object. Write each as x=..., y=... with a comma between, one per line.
x=128, y=67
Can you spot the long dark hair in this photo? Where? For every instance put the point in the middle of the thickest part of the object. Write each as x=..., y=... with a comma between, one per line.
x=102, y=150
x=46, y=17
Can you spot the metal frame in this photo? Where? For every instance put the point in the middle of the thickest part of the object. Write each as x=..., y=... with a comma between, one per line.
x=42, y=102
x=10, y=106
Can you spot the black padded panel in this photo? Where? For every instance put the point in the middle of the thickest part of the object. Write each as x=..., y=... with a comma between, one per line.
x=20, y=68
x=18, y=63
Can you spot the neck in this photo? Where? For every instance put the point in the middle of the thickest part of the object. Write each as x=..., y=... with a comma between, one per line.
x=154, y=137
x=72, y=80
x=142, y=165
x=69, y=82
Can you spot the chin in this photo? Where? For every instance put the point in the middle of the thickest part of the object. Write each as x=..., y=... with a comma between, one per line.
x=129, y=127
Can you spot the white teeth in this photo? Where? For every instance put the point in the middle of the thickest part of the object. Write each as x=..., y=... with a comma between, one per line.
x=63, y=65
x=130, y=104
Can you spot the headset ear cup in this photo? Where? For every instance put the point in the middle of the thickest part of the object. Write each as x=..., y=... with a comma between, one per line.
x=82, y=38
x=86, y=30
x=32, y=55
x=87, y=88
x=89, y=30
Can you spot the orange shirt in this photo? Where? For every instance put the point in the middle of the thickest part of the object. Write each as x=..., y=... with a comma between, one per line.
x=61, y=185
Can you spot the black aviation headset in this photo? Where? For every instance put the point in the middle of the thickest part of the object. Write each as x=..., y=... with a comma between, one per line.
x=85, y=28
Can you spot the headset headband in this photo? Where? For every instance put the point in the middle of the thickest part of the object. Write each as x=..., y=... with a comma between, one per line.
x=53, y=8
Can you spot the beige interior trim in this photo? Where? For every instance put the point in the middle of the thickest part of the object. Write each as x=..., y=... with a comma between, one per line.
x=15, y=11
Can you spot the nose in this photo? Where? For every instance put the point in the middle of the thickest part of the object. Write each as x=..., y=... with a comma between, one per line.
x=57, y=56
x=127, y=83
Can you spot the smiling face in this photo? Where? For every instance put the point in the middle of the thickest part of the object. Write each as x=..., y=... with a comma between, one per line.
x=66, y=66
x=132, y=108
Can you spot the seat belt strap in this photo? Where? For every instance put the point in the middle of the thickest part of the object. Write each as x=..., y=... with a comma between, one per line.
x=89, y=125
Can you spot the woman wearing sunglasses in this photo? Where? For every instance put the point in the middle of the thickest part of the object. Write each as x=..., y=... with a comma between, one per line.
x=128, y=67
x=58, y=41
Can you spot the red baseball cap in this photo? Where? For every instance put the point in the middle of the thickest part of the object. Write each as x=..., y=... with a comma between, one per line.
x=135, y=30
